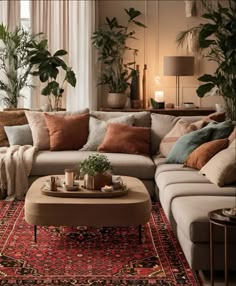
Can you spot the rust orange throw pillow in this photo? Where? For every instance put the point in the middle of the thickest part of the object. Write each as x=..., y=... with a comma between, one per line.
x=200, y=156
x=121, y=138
x=67, y=132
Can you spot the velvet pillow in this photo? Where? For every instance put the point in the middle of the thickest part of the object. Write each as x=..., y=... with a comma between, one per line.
x=10, y=118
x=19, y=134
x=200, y=156
x=39, y=128
x=69, y=132
x=97, y=130
x=121, y=138
x=221, y=168
x=181, y=128
x=216, y=116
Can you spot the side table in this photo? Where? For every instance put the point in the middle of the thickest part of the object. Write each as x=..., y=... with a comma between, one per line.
x=216, y=217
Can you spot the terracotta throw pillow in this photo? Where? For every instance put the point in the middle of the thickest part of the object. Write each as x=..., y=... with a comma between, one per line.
x=39, y=128
x=10, y=118
x=200, y=156
x=181, y=128
x=216, y=116
x=121, y=138
x=68, y=132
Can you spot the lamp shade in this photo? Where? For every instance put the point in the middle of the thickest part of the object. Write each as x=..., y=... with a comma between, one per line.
x=178, y=65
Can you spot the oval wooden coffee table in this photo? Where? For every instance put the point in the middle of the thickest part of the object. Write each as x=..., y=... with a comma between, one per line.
x=132, y=209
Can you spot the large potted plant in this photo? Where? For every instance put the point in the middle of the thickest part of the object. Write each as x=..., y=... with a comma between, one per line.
x=216, y=39
x=96, y=171
x=110, y=39
x=48, y=67
x=15, y=65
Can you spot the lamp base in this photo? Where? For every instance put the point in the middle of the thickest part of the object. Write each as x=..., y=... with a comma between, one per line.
x=230, y=212
x=157, y=105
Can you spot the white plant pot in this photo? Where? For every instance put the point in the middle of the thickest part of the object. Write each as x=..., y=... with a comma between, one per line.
x=116, y=100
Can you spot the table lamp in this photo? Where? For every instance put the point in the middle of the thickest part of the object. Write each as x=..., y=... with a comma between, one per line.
x=178, y=66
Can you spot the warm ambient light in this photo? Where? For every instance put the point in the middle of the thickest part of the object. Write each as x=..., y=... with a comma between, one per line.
x=159, y=96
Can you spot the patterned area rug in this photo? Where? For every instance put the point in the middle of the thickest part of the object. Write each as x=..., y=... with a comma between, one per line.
x=89, y=256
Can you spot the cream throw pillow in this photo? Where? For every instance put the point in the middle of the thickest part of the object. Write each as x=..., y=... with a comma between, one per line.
x=39, y=128
x=98, y=128
x=181, y=128
x=221, y=169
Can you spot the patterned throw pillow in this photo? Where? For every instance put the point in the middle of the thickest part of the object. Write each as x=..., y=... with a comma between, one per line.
x=121, y=138
x=181, y=128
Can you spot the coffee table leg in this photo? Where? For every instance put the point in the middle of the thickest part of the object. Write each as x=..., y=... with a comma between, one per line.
x=140, y=233
x=35, y=233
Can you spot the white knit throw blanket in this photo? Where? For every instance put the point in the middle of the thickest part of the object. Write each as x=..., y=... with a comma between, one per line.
x=15, y=166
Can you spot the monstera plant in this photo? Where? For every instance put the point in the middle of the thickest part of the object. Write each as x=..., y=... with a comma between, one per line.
x=216, y=39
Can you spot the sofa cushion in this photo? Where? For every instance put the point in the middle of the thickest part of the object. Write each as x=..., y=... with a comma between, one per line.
x=221, y=169
x=200, y=156
x=10, y=118
x=191, y=216
x=69, y=132
x=141, y=119
x=19, y=134
x=98, y=128
x=121, y=138
x=39, y=128
x=47, y=162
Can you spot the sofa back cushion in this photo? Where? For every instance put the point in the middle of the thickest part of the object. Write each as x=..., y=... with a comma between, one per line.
x=121, y=138
x=39, y=128
x=10, y=118
x=141, y=119
x=69, y=132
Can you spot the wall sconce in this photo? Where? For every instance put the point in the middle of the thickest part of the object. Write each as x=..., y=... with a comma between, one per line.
x=178, y=66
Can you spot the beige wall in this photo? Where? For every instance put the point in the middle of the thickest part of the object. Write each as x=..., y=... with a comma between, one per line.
x=164, y=20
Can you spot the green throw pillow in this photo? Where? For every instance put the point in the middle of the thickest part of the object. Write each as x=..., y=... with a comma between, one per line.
x=186, y=144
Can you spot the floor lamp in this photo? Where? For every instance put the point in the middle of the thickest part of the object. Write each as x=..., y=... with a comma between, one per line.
x=178, y=66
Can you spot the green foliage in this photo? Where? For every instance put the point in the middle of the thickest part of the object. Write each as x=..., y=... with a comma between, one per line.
x=110, y=39
x=48, y=67
x=216, y=39
x=95, y=164
x=15, y=66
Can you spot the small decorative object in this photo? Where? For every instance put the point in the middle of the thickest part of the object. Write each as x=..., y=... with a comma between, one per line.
x=107, y=189
x=69, y=177
x=189, y=105
x=53, y=183
x=144, y=82
x=170, y=105
x=157, y=105
x=111, y=40
x=96, y=170
x=230, y=212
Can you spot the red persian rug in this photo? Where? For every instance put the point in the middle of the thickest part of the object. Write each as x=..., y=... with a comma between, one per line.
x=89, y=256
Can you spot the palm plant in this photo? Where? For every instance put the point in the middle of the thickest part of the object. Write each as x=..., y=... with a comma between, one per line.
x=15, y=66
x=216, y=39
x=110, y=39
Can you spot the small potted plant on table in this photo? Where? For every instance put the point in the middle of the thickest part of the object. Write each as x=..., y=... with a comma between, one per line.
x=96, y=171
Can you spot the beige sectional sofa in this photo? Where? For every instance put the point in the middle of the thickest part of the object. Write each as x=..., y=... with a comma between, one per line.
x=185, y=195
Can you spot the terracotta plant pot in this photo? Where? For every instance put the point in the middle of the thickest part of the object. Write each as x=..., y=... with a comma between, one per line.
x=97, y=182
x=116, y=100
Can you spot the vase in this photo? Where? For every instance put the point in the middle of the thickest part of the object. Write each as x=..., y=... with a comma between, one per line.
x=116, y=100
x=97, y=182
x=230, y=106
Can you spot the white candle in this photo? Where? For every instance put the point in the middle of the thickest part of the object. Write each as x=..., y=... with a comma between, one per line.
x=159, y=96
x=69, y=177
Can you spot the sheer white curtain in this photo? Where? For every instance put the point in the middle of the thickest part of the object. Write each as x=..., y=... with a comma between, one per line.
x=69, y=25
x=10, y=13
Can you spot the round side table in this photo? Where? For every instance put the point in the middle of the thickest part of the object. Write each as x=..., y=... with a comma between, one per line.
x=217, y=217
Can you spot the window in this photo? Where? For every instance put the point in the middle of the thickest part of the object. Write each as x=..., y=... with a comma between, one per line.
x=25, y=14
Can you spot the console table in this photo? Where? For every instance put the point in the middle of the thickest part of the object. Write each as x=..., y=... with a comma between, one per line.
x=170, y=111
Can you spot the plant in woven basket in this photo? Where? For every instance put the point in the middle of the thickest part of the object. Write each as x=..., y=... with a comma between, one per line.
x=95, y=170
